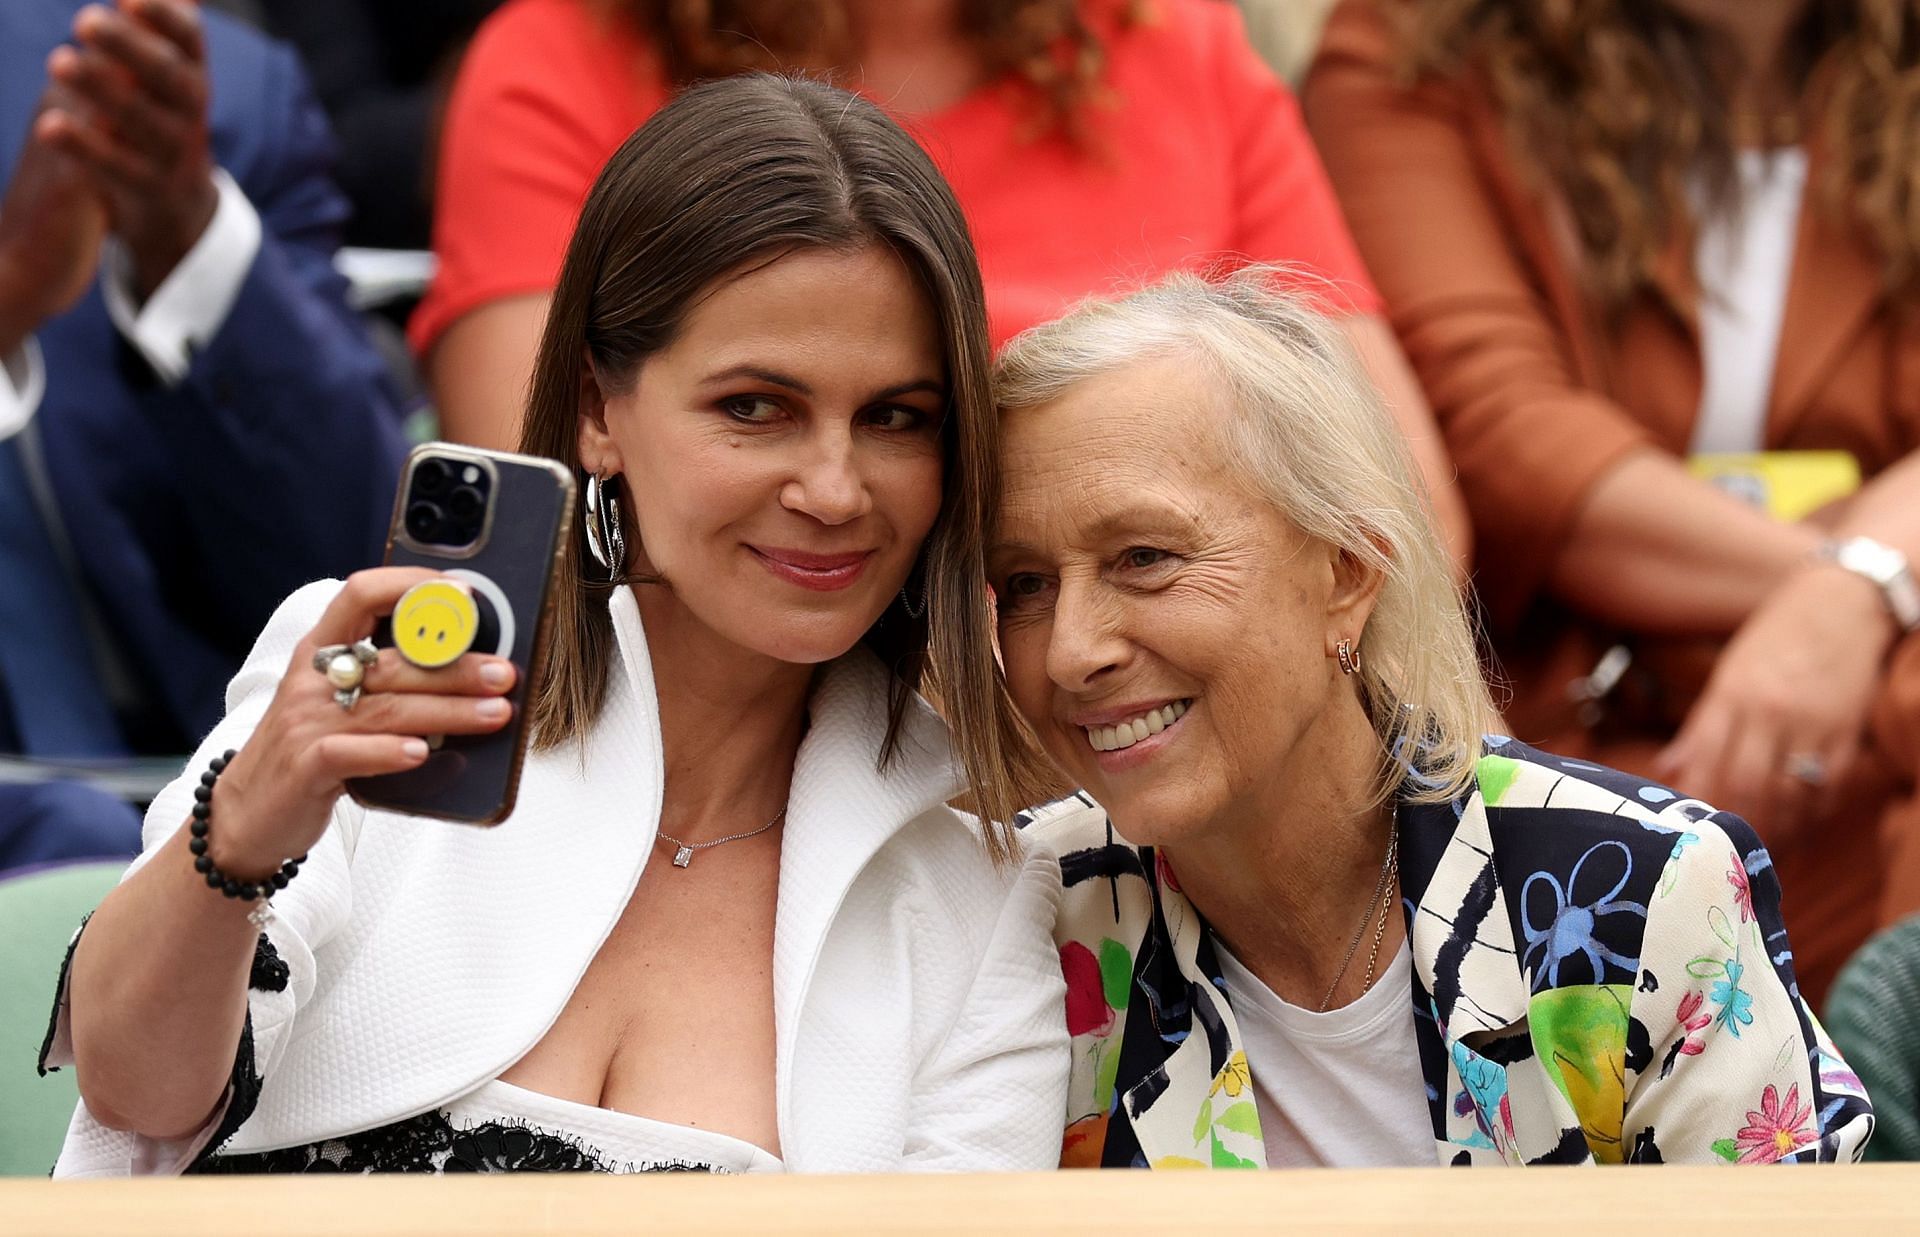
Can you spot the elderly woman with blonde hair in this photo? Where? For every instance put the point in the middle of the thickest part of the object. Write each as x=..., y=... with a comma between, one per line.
x=1225, y=613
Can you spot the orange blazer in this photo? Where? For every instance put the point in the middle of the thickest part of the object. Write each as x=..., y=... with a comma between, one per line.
x=1537, y=392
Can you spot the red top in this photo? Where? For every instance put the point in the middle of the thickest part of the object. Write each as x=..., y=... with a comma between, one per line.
x=1200, y=157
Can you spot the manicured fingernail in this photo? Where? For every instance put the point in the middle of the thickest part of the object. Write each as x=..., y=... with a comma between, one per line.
x=496, y=674
x=493, y=710
x=415, y=749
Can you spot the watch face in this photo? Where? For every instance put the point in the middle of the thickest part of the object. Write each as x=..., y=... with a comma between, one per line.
x=1886, y=567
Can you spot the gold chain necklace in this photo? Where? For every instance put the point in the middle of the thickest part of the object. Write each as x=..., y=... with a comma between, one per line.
x=1382, y=897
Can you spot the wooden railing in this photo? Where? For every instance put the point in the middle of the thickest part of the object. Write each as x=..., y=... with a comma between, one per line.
x=1845, y=1202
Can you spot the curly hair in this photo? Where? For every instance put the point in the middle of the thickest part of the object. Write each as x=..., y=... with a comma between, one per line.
x=1052, y=46
x=1620, y=102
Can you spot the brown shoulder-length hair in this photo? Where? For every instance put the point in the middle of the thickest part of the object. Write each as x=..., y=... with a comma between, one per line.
x=1052, y=46
x=728, y=176
x=1620, y=101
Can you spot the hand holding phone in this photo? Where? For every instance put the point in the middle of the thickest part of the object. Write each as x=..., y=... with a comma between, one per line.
x=278, y=794
x=492, y=525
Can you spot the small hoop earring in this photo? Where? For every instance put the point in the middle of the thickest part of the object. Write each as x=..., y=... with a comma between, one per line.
x=606, y=535
x=1349, y=659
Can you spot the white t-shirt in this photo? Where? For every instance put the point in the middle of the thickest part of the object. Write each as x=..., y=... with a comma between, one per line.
x=1743, y=262
x=1341, y=1089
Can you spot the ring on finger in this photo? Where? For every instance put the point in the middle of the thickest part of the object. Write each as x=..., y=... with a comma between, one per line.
x=1807, y=768
x=345, y=667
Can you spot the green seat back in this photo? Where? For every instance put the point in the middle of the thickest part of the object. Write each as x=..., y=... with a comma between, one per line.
x=1873, y=1014
x=38, y=912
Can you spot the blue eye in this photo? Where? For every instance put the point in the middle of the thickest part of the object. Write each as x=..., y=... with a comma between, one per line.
x=752, y=409
x=1021, y=587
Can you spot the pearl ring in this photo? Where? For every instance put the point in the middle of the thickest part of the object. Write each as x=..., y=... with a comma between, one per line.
x=345, y=666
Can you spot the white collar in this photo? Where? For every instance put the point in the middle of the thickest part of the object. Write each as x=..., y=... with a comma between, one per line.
x=841, y=810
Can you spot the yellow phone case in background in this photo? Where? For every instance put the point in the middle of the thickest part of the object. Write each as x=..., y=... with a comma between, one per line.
x=1788, y=485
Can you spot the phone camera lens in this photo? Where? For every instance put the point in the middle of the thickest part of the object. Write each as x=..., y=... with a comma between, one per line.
x=424, y=519
x=465, y=503
x=431, y=477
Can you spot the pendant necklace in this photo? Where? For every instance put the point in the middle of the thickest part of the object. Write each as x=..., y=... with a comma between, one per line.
x=683, y=851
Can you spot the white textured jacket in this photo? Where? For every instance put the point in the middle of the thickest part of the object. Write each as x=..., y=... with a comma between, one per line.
x=918, y=1003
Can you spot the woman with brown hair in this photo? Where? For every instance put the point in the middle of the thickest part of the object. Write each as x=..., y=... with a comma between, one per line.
x=1091, y=142
x=1631, y=245
x=732, y=924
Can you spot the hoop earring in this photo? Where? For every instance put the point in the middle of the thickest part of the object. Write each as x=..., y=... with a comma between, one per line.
x=906, y=603
x=606, y=536
x=1349, y=658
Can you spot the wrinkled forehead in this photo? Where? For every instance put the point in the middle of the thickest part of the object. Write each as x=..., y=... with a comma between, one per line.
x=1151, y=432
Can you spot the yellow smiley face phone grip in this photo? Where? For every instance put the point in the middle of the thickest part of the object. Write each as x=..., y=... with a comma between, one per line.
x=434, y=623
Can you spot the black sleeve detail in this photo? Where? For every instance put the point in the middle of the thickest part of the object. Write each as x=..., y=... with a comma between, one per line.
x=244, y=1087
x=269, y=973
x=59, y=1000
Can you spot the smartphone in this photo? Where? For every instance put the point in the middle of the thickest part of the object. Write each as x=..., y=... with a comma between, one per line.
x=495, y=524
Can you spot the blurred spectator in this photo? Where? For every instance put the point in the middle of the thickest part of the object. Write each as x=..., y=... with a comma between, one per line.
x=191, y=423
x=381, y=70
x=1093, y=143
x=57, y=821
x=1628, y=245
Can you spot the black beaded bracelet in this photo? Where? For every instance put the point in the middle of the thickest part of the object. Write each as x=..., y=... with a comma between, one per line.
x=246, y=891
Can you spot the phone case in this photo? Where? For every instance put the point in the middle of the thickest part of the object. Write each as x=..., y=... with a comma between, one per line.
x=510, y=571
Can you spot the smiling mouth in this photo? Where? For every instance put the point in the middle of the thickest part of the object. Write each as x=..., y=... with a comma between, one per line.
x=824, y=573
x=1122, y=735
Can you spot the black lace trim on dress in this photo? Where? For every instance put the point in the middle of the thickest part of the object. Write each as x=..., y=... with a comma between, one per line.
x=269, y=973
x=243, y=1096
x=430, y=1143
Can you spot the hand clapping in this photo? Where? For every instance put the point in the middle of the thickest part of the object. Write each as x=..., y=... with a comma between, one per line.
x=131, y=107
x=51, y=222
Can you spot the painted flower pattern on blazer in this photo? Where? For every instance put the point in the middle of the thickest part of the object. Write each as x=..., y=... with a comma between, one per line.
x=1601, y=974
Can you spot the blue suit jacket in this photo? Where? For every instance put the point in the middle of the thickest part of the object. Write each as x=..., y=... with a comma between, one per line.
x=195, y=509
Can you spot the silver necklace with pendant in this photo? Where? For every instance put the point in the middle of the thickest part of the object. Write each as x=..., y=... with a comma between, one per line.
x=683, y=851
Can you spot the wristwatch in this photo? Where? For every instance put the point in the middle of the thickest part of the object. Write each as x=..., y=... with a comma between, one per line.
x=1887, y=568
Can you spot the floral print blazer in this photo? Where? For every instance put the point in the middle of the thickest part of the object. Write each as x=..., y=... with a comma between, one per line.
x=1600, y=975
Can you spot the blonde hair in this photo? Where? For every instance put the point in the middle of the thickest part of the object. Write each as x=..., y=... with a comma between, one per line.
x=1315, y=440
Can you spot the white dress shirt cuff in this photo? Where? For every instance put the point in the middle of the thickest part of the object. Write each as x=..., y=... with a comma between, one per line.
x=23, y=379
x=191, y=303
